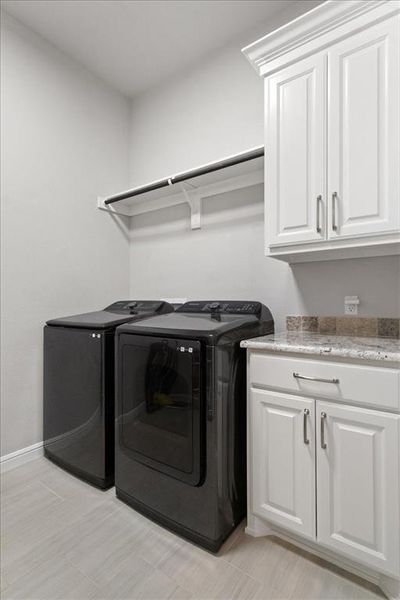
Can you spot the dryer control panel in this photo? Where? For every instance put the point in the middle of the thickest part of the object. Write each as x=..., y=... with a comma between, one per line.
x=241, y=307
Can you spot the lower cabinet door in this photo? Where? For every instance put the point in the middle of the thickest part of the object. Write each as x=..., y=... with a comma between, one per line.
x=282, y=445
x=358, y=484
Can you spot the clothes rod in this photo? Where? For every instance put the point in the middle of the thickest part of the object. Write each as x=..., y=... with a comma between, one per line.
x=222, y=164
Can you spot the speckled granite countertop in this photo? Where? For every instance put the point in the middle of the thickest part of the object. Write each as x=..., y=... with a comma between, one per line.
x=360, y=348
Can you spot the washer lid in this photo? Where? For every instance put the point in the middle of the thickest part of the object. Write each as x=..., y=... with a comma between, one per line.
x=115, y=314
x=198, y=326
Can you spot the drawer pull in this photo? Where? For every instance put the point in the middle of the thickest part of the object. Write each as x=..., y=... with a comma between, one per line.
x=320, y=379
x=306, y=412
x=323, y=443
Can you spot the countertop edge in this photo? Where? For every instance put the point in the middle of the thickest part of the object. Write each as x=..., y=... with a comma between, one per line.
x=327, y=351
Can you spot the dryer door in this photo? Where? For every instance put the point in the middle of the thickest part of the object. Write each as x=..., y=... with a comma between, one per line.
x=159, y=404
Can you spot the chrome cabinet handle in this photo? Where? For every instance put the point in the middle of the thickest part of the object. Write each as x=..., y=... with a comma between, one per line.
x=334, y=198
x=319, y=200
x=306, y=412
x=320, y=379
x=323, y=443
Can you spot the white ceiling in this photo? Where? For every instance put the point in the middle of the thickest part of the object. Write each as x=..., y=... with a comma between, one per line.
x=134, y=44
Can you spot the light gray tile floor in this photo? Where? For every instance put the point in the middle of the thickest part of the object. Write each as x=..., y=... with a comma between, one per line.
x=65, y=540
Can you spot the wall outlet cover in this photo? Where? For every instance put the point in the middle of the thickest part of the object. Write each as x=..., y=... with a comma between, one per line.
x=351, y=305
x=175, y=300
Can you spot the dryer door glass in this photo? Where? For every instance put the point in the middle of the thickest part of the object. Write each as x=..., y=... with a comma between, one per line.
x=159, y=404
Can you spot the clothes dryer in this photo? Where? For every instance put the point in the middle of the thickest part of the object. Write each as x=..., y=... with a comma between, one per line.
x=181, y=416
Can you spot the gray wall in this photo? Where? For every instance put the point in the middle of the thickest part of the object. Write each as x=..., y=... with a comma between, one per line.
x=65, y=141
x=225, y=259
x=209, y=112
x=212, y=110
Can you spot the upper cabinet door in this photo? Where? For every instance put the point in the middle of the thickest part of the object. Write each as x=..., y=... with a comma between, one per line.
x=363, y=136
x=358, y=484
x=282, y=443
x=295, y=153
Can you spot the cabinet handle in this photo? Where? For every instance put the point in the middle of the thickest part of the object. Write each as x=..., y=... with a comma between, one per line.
x=334, y=198
x=320, y=379
x=319, y=200
x=323, y=417
x=306, y=412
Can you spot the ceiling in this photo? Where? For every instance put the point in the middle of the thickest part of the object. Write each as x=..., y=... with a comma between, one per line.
x=135, y=44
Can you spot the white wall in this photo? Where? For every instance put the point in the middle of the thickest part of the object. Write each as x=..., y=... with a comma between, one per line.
x=210, y=112
x=65, y=141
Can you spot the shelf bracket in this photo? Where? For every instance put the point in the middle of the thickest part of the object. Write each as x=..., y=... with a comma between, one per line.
x=193, y=198
x=121, y=210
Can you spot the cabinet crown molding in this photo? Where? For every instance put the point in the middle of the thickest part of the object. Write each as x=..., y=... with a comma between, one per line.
x=313, y=29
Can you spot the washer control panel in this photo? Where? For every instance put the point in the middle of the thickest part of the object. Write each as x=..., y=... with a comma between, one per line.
x=134, y=306
x=222, y=306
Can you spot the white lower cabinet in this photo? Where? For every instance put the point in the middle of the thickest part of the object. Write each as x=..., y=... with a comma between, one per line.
x=358, y=484
x=283, y=451
x=325, y=470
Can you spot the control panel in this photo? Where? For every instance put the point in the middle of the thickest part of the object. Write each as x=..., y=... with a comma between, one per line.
x=134, y=306
x=222, y=306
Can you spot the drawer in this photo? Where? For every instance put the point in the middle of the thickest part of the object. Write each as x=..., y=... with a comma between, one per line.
x=357, y=384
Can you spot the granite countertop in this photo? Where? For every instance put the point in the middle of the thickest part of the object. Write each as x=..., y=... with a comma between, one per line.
x=364, y=348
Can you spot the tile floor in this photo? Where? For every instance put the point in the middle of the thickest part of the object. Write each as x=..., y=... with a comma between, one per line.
x=63, y=539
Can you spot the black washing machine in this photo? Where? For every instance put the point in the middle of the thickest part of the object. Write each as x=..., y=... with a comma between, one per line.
x=180, y=454
x=78, y=403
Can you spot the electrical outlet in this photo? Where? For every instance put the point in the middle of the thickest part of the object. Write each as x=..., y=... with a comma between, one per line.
x=351, y=305
x=350, y=309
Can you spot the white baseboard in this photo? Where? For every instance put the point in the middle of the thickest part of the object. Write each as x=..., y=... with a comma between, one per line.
x=346, y=564
x=20, y=457
x=390, y=587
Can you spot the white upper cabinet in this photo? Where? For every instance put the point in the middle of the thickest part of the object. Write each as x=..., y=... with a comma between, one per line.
x=296, y=144
x=363, y=132
x=332, y=80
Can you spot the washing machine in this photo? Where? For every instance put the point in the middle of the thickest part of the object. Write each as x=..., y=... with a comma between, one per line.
x=78, y=403
x=180, y=453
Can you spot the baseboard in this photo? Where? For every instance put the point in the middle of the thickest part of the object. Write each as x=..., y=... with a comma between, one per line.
x=330, y=557
x=313, y=548
x=390, y=587
x=20, y=457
